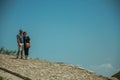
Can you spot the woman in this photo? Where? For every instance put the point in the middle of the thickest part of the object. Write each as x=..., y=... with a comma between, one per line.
x=26, y=40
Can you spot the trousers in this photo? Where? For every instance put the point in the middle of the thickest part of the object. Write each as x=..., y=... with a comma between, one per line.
x=20, y=50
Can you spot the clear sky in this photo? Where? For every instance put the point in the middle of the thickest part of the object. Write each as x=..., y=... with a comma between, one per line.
x=80, y=32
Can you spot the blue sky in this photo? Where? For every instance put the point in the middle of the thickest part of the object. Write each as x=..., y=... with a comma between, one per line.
x=79, y=32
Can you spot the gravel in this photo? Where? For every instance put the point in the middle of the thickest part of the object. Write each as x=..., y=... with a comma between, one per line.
x=35, y=69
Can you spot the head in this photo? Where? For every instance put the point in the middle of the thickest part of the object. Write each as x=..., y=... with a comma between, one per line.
x=24, y=33
x=21, y=31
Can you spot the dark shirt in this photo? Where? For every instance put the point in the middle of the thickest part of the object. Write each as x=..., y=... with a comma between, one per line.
x=26, y=39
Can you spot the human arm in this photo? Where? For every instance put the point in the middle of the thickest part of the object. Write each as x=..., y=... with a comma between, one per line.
x=18, y=40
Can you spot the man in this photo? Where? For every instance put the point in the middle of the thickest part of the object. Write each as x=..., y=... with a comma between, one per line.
x=20, y=44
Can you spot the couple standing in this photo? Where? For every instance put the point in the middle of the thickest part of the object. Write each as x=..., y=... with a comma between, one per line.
x=23, y=41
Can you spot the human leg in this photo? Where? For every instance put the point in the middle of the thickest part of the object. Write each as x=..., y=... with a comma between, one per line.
x=26, y=53
x=18, y=52
x=21, y=50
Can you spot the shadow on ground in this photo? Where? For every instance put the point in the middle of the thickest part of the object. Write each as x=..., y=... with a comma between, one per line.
x=15, y=74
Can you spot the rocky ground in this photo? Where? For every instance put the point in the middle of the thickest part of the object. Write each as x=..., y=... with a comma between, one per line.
x=7, y=76
x=34, y=69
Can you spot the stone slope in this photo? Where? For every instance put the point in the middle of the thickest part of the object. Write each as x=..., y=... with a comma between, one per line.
x=117, y=75
x=34, y=69
x=7, y=76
